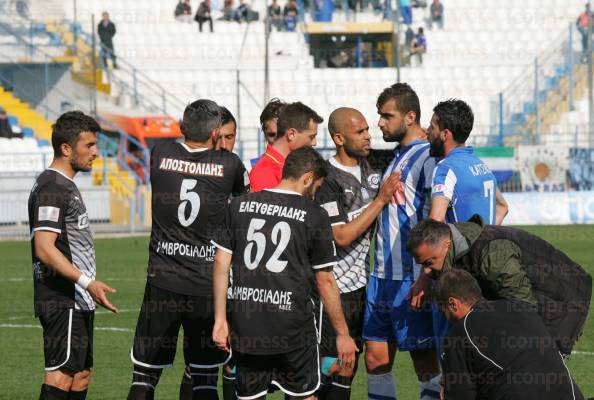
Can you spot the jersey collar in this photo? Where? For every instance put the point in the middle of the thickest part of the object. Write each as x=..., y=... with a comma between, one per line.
x=61, y=173
x=191, y=150
x=274, y=155
x=465, y=149
x=283, y=191
x=411, y=144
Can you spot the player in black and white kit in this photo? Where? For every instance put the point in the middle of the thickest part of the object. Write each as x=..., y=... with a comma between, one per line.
x=64, y=270
x=191, y=187
x=352, y=197
x=280, y=244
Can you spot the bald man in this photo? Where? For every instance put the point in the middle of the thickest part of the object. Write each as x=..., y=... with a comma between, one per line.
x=353, y=199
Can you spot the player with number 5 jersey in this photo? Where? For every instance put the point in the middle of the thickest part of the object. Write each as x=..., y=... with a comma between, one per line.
x=191, y=188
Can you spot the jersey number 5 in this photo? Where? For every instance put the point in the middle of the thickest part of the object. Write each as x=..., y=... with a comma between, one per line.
x=186, y=196
x=281, y=234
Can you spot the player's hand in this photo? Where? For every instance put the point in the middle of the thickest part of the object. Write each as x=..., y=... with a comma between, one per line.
x=98, y=290
x=389, y=186
x=420, y=292
x=346, y=350
x=220, y=335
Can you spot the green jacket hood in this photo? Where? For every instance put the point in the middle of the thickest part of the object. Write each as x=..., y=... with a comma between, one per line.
x=463, y=236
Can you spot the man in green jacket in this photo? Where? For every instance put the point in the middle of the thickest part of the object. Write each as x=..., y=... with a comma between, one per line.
x=509, y=264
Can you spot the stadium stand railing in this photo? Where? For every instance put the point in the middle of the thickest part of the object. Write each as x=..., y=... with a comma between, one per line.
x=531, y=107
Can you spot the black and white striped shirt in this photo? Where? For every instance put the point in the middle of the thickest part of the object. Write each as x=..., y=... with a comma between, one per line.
x=56, y=205
x=345, y=193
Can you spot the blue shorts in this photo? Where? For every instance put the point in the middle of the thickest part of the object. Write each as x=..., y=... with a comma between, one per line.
x=390, y=318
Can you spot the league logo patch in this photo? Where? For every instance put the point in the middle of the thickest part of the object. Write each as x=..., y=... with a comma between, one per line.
x=48, y=213
x=83, y=221
x=439, y=188
x=373, y=181
x=331, y=208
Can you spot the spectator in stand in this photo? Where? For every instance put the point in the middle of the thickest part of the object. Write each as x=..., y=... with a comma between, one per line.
x=106, y=31
x=418, y=46
x=582, y=25
x=243, y=11
x=436, y=16
x=275, y=16
x=183, y=11
x=405, y=11
x=203, y=15
x=5, y=128
x=290, y=15
x=409, y=36
x=228, y=11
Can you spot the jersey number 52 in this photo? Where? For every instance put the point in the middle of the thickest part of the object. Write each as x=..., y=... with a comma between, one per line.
x=280, y=236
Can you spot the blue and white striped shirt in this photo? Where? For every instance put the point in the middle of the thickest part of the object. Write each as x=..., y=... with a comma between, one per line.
x=408, y=206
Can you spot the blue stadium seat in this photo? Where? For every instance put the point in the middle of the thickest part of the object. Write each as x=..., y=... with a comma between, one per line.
x=12, y=120
x=28, y=132
x=43, y=142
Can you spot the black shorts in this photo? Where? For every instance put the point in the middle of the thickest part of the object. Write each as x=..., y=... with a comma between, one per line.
x=162, y=314
x=296, y=373
x=353, y=305
x=68, y=339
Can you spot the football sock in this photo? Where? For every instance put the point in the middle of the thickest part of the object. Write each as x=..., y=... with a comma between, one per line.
x=52, y=393
x=185, y=388
x=204, y=383
x=381, y=387
x=340, y=388
x=229, y=385
x=82, y=395
x=144, y=381
x=430, y=389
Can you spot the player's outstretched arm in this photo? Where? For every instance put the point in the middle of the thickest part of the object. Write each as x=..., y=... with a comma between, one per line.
x=331, y=299
x=220, y=331
x=345, y=234
x=439, y=208
x=48, y=253
x=501, y=207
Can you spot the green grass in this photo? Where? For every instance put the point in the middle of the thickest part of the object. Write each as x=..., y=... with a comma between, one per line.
x=122, y=264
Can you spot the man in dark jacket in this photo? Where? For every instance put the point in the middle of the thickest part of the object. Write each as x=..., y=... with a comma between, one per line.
x=509, y=264
x=106, y=31
x=5, y=128
x=497, y=349
x=203, y=15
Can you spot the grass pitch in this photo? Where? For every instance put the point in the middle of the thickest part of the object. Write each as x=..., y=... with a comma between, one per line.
x=122, y=264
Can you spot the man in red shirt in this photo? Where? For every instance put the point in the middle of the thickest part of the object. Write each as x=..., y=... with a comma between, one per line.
x=297, y=126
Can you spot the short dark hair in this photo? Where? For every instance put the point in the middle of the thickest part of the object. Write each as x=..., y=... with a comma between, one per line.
x=456, y=116
x=226, y=116
x=428, y=231
x=406, y=99
x=303, y=160
x=297, y=116
x=200, y=119
x=459, y=284
x=68, y=127
x=271, y=110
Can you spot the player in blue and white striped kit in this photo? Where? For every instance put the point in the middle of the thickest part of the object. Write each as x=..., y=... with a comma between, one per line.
x=389, y=322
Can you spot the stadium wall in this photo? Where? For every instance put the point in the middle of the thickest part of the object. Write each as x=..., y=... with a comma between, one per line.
x=553, y=208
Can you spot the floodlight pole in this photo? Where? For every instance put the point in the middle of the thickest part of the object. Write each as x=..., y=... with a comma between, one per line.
x=267, y=27
x=94, y=66
x=590, y=81
x=397, y=44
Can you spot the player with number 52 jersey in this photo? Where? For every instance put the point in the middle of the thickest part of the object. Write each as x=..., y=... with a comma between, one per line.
x=191, y=188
